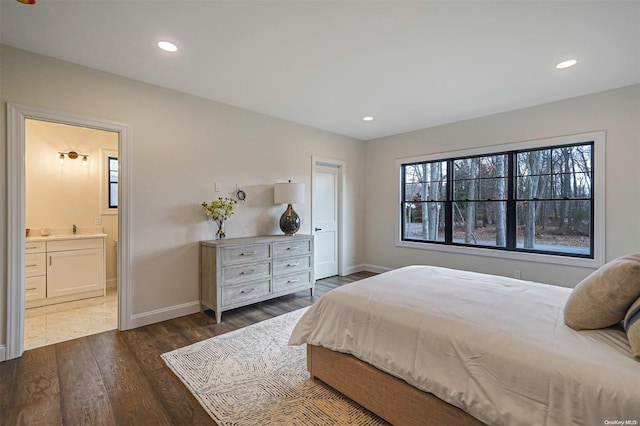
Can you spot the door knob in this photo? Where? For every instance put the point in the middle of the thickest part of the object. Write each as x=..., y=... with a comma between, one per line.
x=318, y=229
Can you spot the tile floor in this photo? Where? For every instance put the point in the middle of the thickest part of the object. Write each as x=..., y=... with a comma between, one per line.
x=65, y=321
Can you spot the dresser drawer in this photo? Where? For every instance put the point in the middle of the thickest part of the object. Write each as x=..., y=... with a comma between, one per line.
x=289, y=282
x=241, y=293
x=35, y=288
x=291, y=248
x=245, y=254
x=35, y=247
x=35, y=264
x=294, y=264
x=242, y=273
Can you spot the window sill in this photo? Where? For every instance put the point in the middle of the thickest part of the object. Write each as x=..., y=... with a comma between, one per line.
x=510, y=255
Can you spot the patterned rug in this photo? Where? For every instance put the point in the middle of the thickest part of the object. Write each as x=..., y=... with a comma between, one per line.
x=251, y=376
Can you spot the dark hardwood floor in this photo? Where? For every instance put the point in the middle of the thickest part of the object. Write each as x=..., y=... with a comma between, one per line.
x=118, y=378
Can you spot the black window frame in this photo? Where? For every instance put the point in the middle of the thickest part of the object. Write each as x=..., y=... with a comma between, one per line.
x=110, y=182
x=511, y=243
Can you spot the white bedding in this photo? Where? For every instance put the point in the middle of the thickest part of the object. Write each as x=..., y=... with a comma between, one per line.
x=496, y=347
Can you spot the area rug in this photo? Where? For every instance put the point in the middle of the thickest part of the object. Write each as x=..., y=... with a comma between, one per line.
x=251, y=376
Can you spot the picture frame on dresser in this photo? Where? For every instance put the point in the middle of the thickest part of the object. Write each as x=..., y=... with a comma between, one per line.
x=236, y=272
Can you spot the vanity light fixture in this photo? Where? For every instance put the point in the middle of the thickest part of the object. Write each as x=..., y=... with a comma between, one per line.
x=367, y=118
x=72, y=156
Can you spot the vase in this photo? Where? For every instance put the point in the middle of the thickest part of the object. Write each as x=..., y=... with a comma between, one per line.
x=220, y=232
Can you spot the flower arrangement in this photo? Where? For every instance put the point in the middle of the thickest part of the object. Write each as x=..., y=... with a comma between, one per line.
x=219, y=210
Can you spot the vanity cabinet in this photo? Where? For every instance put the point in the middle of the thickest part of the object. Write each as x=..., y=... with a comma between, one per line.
x=240, y=271
x=75, y=266
x=35, y=265
x=64, y=269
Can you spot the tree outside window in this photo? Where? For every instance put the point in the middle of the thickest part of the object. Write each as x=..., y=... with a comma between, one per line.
x=538, y=200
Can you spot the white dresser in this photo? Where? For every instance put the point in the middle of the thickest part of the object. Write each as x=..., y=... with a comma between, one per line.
x=236, y=272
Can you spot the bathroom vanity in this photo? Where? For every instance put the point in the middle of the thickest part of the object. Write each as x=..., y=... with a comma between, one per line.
x=62, y=268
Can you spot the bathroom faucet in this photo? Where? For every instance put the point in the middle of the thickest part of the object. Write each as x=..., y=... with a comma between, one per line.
x=75, y=229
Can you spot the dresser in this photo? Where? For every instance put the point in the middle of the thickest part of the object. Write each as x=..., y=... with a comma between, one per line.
x=235, y=272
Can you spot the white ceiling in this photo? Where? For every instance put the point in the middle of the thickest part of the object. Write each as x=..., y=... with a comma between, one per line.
x=326, y=64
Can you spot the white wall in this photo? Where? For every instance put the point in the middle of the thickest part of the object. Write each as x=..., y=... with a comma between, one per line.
x=615, y=111
x=61, y=195
x=181, y=146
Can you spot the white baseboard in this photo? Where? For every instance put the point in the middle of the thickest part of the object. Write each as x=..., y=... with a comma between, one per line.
x=112, y=282
x=375, y=268
x=354, y=269
x=3, y=353
x=164, y=314
x=366, y=267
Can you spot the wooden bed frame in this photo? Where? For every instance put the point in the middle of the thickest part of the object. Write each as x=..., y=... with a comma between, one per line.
x=387, y=396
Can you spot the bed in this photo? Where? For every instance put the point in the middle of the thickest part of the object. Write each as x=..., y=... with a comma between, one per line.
x=429, y=345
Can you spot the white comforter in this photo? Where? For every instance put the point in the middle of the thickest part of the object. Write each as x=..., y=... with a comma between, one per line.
x=496, y=347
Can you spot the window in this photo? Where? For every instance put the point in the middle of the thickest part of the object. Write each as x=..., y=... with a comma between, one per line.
x=113, y=182
x=528, y=198
x=109, y=182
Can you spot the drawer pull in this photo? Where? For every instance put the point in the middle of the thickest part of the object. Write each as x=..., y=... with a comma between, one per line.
x=247, y=253
x=293, y=264
x=253, y=271
x=293, y=248
x=292, y=281
x=31, y=289
x=30, y=266
x=31, y=247
x=247, y=291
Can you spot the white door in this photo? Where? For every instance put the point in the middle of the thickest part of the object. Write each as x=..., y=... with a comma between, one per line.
x=325, y=221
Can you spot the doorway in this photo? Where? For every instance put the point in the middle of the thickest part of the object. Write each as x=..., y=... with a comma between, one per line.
x=326, y=213
x=16, y=224
x=69, y=174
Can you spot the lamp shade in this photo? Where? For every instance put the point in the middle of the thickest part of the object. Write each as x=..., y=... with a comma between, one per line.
x=288, y=193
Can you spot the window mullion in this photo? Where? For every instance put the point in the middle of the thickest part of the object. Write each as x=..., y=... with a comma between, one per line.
x=448, y=207
x=511, y=201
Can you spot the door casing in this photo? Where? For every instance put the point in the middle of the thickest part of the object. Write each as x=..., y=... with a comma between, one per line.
x=16, y=116
x=340, y=166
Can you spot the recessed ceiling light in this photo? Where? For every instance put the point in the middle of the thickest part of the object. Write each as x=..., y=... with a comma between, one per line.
x=167, y=46
x=367, y=118
x=566, y=64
